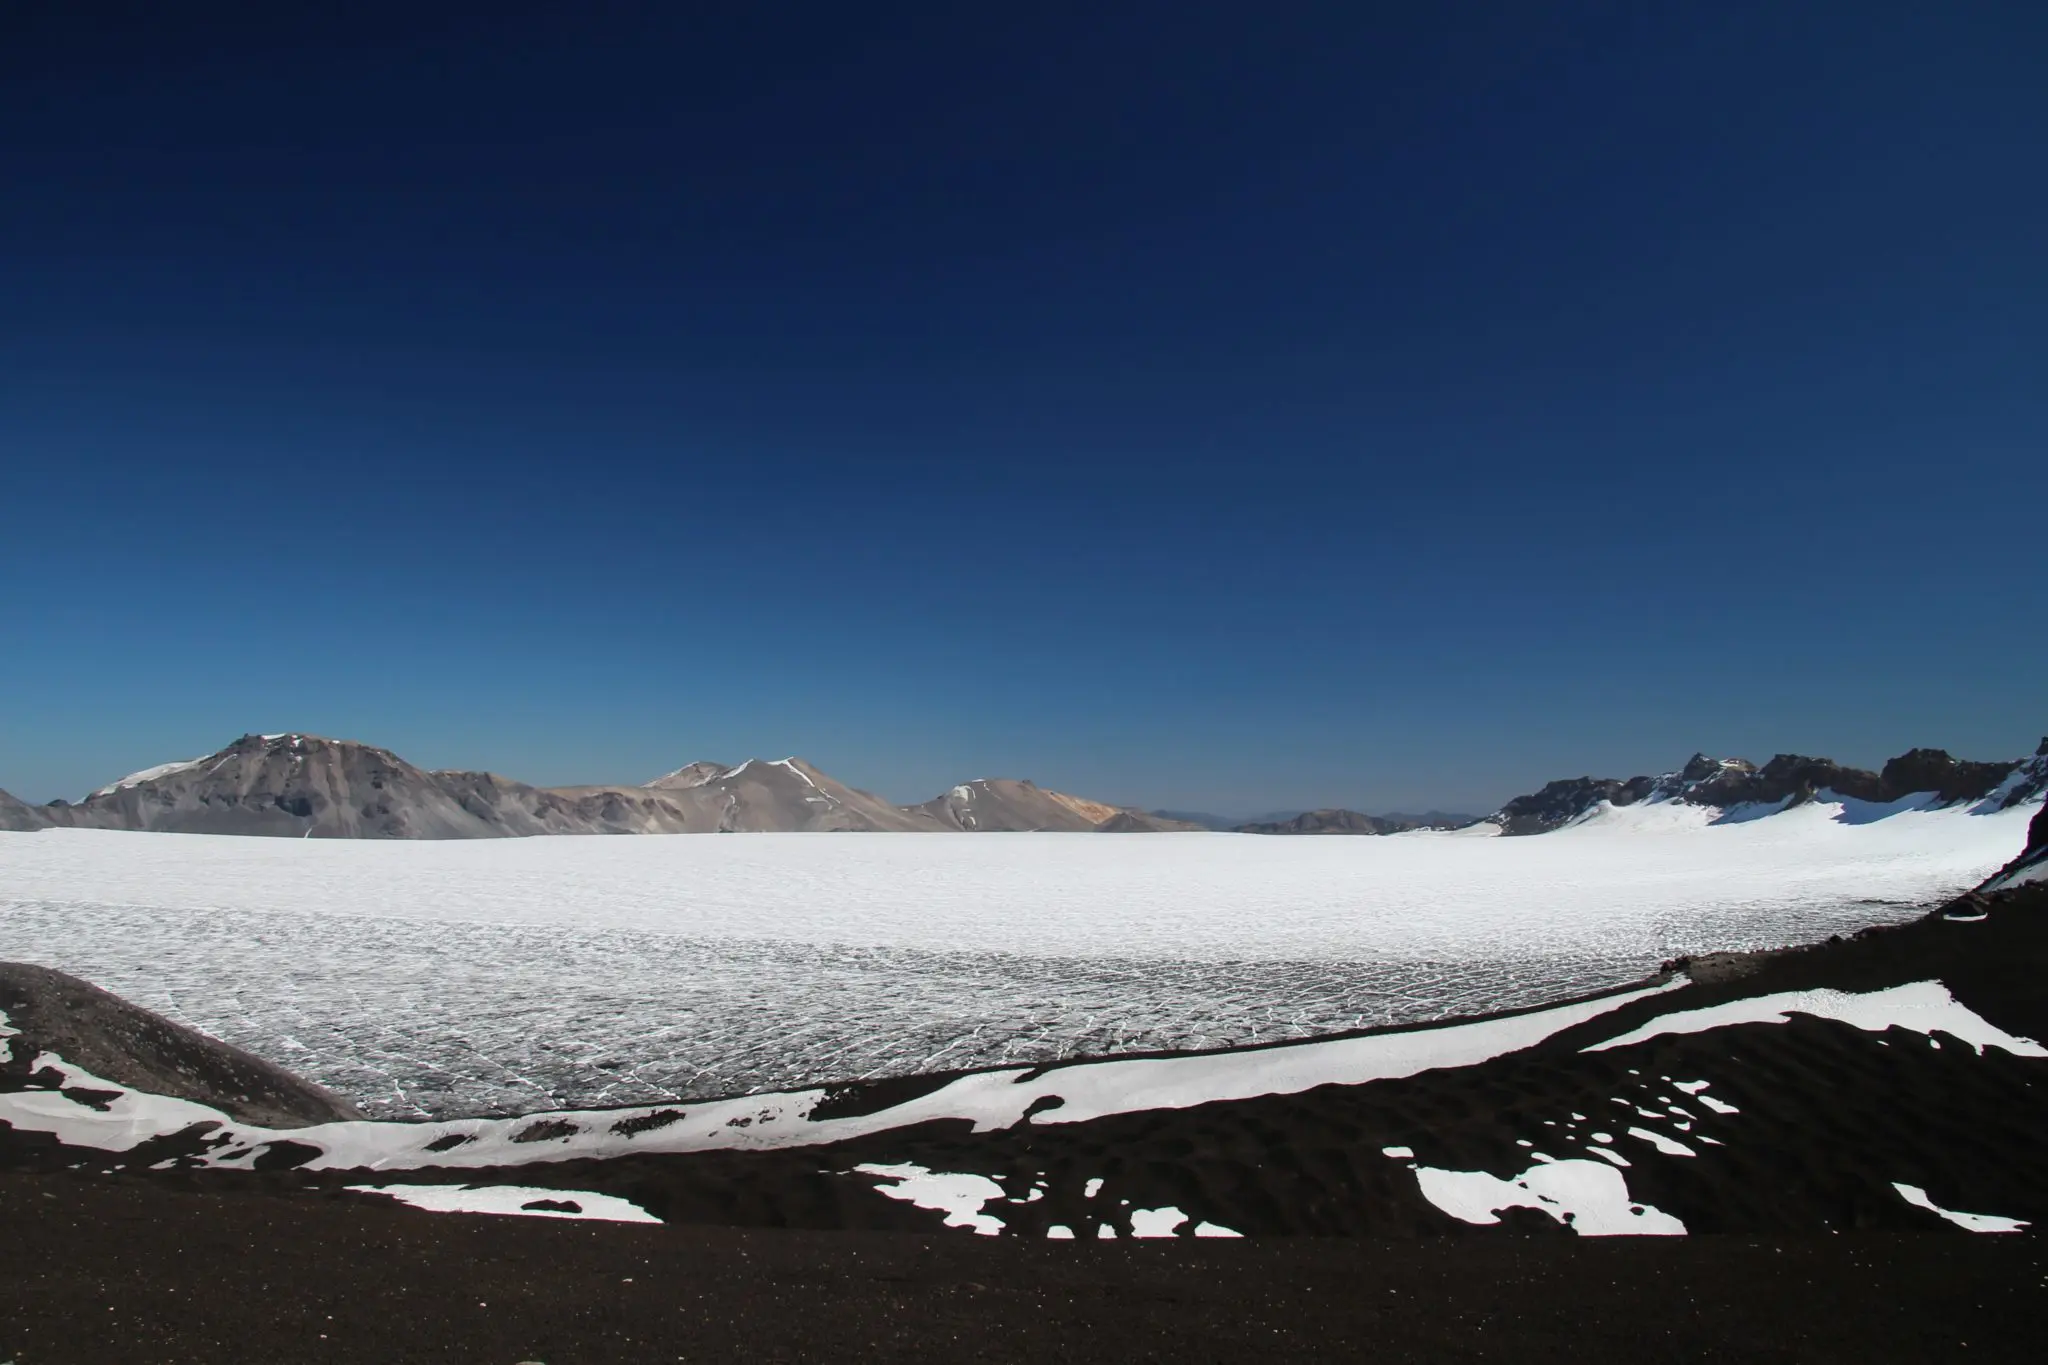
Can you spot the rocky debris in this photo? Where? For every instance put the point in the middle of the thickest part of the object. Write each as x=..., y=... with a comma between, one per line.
x=18, y=816
x=51, y=1012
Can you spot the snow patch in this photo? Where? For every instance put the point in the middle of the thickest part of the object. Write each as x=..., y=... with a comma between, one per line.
x=1587, y=1196
x=1922, y=1006
x=1156, y=1222
x=1974, y=1222
x=524, y=1201
x=959, y=1197
x=1668, y=1146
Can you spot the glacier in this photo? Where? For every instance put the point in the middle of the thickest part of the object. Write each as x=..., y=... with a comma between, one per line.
x=441, y=979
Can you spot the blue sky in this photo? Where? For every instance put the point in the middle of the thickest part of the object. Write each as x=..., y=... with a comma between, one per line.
x=1185, y=404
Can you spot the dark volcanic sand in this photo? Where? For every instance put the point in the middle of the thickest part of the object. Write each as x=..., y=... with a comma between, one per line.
x=105, y=1268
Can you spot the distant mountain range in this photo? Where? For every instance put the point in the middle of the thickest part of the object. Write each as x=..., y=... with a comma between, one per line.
x=1353, y=822
x=296, y=785
x=1325, y=821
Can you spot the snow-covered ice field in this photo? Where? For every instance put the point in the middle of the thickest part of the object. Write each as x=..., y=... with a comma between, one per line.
x=507, y=976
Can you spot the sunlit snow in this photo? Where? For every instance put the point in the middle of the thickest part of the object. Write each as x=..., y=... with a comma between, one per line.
x=1922, y=1006
x=959, y=1197
x=507, y=976
x=1590, y=1198
x=1973, y=1222
x=521, y=1200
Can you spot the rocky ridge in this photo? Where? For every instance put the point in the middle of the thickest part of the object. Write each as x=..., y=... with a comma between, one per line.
x=1787, y=780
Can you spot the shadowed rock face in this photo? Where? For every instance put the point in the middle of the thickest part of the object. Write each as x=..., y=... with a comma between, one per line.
x=128, y=1045
x=18, y=816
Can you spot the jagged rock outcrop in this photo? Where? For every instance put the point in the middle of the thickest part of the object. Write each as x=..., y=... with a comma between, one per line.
x=18, y=816
x=48, y=1011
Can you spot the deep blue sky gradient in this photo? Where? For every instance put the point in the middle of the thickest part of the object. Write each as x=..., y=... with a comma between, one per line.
x=1215, y=405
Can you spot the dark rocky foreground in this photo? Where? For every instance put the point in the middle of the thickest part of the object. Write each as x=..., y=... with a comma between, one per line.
x=113, y=1268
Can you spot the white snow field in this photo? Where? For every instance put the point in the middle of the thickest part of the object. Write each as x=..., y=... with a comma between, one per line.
x=508, y=976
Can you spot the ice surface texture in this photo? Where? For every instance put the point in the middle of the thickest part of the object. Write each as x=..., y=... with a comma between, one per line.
x=441, y=979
